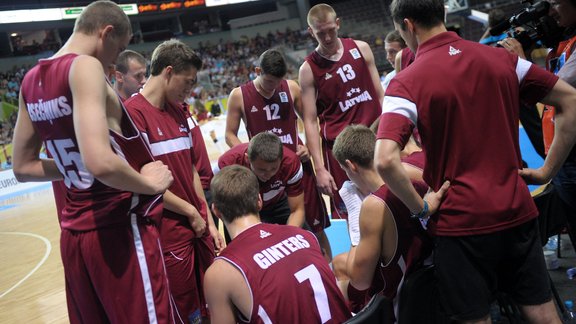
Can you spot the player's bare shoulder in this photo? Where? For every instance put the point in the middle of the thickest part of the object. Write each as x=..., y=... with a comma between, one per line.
x=364, y=47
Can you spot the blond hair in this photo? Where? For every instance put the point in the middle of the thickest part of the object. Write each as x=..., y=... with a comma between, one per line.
x=320, y=13
x=102, y=13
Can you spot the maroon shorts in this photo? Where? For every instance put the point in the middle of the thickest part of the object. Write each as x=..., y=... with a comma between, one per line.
x=116, y=274
x=338, y=207
x=186, y=266
x=314, y=206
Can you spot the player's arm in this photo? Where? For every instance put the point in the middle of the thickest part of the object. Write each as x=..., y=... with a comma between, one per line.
x=220, y=281
x=398, y=62
x=364, y=259
x=296, y=204
x=233, y=117
x=219, y=241
x=301, y=150
x=324, y=179
x=180, y=206
x=369, y=58
x=90, y=96
x=563, y=98
x=26, y=145
x=390, y=168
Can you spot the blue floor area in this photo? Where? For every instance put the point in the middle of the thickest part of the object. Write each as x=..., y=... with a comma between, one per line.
x=338, y=236
x=529, y=154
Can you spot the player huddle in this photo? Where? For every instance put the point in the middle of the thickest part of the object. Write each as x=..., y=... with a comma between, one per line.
x=132, y=186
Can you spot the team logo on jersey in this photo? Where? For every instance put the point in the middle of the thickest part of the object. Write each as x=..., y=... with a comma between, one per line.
x=277, y=184
x=355, y=53
x=283, y=96
x=327, y=76
x=452, y=51
x=254, y=109
x=160, y=132
x=316, y=222
x=276, y=130
x=182, y=129
x=264, y=234
x=352, y=92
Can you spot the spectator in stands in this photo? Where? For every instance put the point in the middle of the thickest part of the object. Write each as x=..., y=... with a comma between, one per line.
x=130, y=73
x=340, y=86
x=485, y=228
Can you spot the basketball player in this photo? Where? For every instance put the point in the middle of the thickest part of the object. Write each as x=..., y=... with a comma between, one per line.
x=268, y=273
x=391, y=243
x=279, y=173
x=158, y=114
x=130, y=74
x=109, y=241
x=340, y=87
x=270, y=104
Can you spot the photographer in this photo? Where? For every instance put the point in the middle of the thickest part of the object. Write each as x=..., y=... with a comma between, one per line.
x=559, y=200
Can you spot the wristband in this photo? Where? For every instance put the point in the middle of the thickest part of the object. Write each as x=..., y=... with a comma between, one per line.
x=423, y=213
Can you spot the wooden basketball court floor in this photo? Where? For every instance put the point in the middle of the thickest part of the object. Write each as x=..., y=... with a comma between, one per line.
x=31, y=273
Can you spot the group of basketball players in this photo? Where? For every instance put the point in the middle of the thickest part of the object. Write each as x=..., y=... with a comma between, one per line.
x=136, y=225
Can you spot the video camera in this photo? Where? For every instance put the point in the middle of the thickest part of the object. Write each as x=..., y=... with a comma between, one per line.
x=536, y=25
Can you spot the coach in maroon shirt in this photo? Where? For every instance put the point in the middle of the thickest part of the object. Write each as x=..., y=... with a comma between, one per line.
x=486, y=232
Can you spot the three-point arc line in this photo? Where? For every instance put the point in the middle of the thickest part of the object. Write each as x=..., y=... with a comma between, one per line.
x=46, y=254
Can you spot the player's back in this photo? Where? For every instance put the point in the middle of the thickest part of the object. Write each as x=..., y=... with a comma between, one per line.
x=89, y=203
x=289, y=279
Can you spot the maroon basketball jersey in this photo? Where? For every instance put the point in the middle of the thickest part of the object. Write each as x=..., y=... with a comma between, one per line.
x=202, y=161
x=407, y=58
x=414, y=245
x=416, y=159
x=89, y=203
x=288, y=179
x=289, y=279
x=170, y=141
x=346, y=93
x=275, y=115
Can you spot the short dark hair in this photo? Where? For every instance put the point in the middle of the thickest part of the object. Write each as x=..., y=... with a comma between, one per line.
x=426, y=13
x=123, y=60
x=355, y=143
x=176, y=54
x=101, y=13
x=235, y=192
x=496, y=16
x=265, y=146
x=394, y=36
x=272, y=63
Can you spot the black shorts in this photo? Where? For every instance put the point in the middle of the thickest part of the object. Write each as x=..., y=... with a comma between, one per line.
x=278, y=213
x=472, y=269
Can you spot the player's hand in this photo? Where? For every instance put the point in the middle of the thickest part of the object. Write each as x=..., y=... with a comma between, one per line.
x=325, y=182
x=197, y=223
x=434, y=199
x=513, y=46
x=158, y=175
x=219, y=242
x=538, y=176
x=303, y=153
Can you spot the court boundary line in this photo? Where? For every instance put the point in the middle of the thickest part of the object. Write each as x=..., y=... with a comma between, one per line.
x=46, y=254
